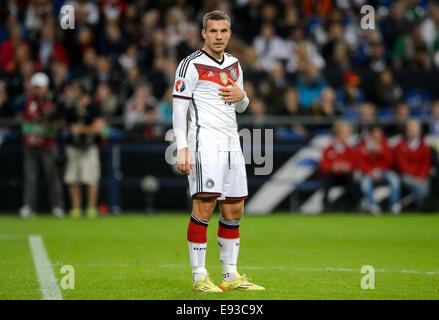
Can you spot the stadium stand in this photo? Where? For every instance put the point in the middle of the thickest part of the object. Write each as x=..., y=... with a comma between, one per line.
x=307, y=64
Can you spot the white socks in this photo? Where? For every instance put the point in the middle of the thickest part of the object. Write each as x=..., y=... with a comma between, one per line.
x=229, y=272
x=197, y=253
x=228, y=240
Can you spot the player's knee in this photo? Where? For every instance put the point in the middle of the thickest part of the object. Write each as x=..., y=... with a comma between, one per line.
x=232, y=212
x=203, y=208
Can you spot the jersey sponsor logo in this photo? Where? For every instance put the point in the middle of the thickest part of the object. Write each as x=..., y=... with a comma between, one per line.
x=180, y=86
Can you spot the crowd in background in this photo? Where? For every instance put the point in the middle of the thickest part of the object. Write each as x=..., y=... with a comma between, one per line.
x=299, y=57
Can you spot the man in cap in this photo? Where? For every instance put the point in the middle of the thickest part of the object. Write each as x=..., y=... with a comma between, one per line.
x=39, y=139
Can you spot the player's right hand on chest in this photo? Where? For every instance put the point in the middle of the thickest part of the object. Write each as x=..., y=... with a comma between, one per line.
x=184, y=161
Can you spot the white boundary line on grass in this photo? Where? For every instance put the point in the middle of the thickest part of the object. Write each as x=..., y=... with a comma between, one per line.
x=311, y=269
x=48, y=284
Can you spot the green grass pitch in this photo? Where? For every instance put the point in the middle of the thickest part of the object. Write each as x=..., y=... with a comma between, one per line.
x=294, y=257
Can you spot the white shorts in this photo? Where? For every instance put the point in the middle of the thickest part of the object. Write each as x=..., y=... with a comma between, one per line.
x=218, y=174
x=83, y=166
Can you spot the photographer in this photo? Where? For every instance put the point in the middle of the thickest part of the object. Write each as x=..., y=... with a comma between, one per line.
x=86, y=127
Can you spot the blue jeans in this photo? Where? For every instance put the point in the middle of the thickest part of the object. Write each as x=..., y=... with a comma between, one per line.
x=388, y=177
x=419, y=188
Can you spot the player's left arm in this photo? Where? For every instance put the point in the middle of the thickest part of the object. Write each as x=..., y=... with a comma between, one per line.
x=235, y=93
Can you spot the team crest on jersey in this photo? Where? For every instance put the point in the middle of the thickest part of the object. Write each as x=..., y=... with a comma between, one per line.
x=180, y=86
x=224, y=78
x=234, y=74
x=210, y=183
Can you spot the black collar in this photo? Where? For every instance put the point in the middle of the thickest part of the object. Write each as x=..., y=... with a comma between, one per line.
x=208, y=55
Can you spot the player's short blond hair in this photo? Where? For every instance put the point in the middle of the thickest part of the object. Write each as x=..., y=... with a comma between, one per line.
x=216, y=15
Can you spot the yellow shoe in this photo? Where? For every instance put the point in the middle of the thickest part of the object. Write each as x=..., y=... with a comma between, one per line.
x=205, y=285
x=75, y=213
x=92, y=212
x=240, y=283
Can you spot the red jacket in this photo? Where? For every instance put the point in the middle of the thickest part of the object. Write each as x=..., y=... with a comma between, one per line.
x=35, y=115
x=416, y=162
x=369, y=160
x=337, y=152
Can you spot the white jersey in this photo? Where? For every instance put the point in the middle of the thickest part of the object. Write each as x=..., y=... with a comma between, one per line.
x=213, y=121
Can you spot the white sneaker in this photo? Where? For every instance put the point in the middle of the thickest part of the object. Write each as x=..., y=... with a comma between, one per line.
x=375, y=209
x=26, y=212
x=396, y=208
x=58, y=212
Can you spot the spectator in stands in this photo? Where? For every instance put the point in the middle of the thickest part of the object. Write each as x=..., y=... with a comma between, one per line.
x=191, y=44
x=258, y=109
x=5, y=109
x=128, y=58
x=273, y=87
x=376, y=59
x=395, y=25
x=112, y=43
x=290, y=103
x=411, y=51
x=107, y=73
x=434, y=125
x=39, y=131
x=338, y=164
x=291, y=107
x=9, y=47
x=269, y=47
x=350, y=95
x=413, y=161
x=367, y=112
x=60, y=76
x=138, y=108
x=340, y=64
x=49, y=47
x=386, y=93
x=301, y=52
x=375, y=161
x=310, y=84
x=335, y=33
x=86, y=127
x=429, y=27
x=326, y=106
x=106, y=100
x=402, y=115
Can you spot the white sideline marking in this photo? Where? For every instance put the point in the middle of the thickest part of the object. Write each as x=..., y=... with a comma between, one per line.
x=48, y=284
x=309, y=269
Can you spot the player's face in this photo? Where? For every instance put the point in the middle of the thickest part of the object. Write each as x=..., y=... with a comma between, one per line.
x=217, y=35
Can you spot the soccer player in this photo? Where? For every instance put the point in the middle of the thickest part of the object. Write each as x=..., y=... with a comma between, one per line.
x=209, y=83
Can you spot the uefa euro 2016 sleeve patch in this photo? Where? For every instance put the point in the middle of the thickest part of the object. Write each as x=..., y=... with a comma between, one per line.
x=180, y=86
